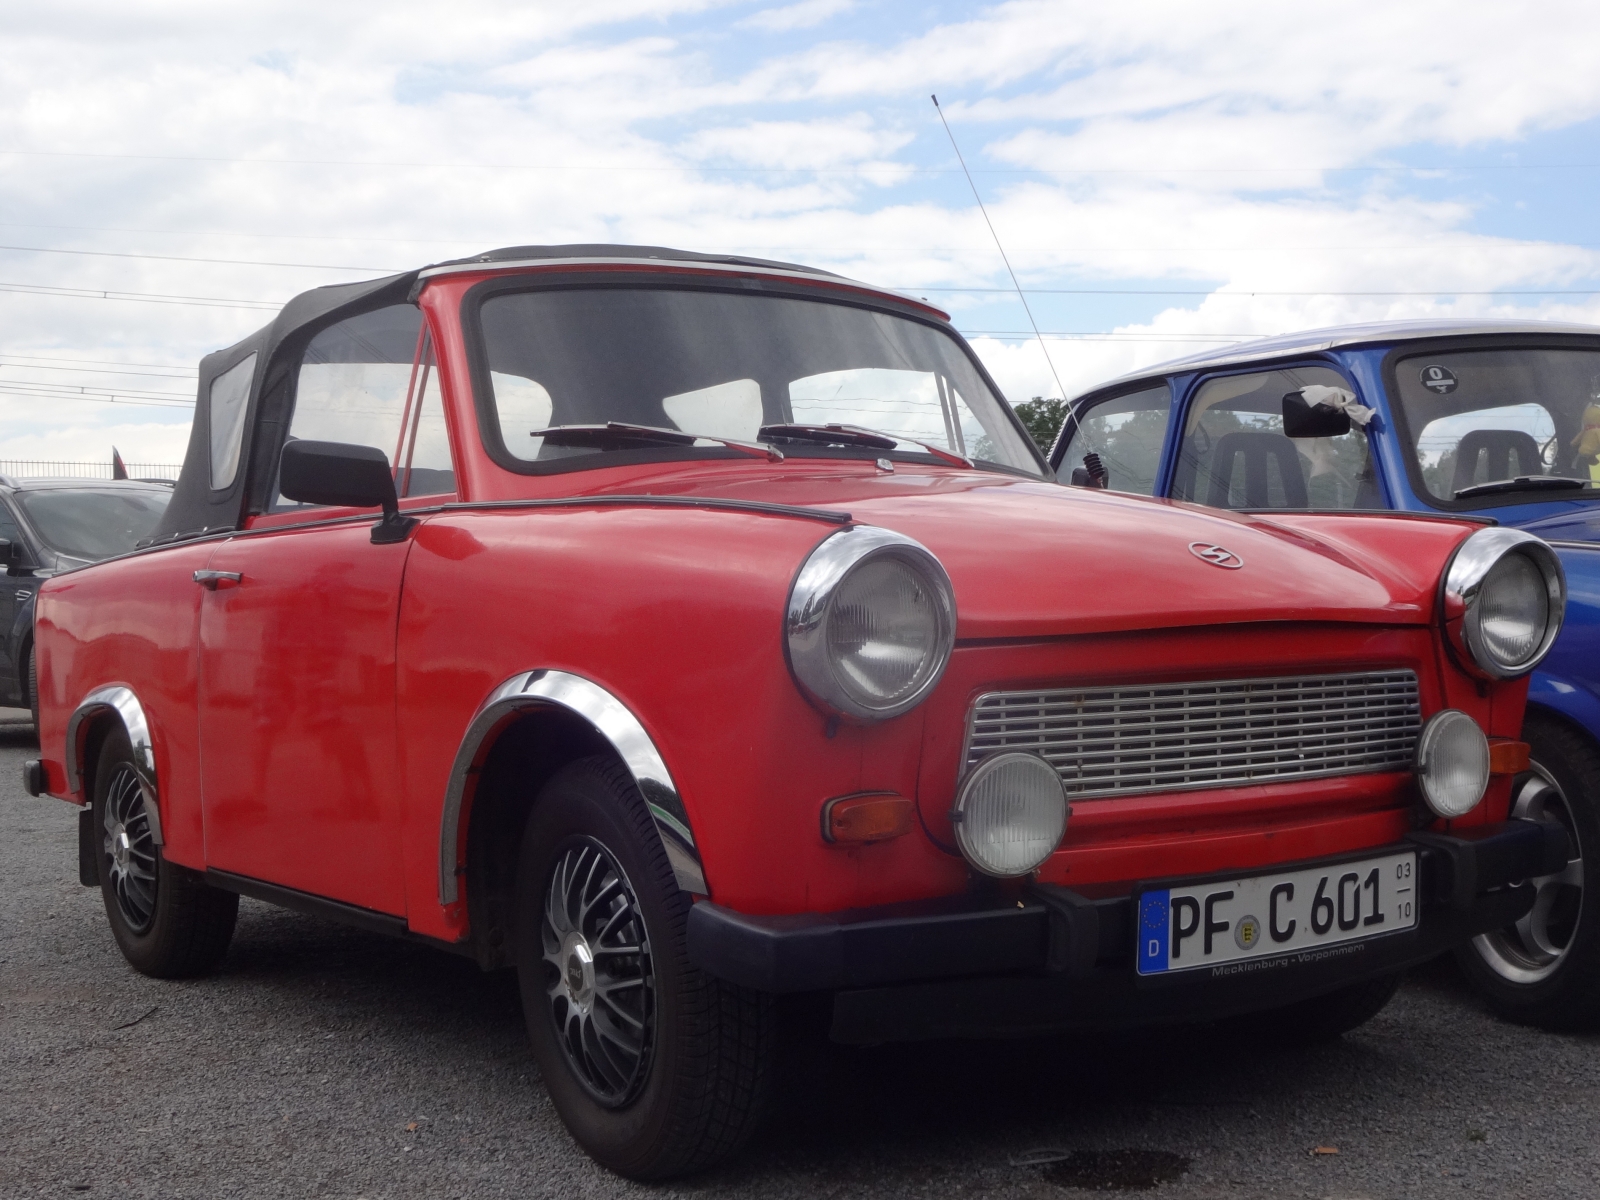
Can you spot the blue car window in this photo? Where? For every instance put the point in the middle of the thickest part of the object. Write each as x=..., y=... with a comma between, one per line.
x=1483, y=417
x=1127, y=433
x=1235, y=454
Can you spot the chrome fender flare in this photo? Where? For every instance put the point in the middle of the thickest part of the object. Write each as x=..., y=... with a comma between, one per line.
x=119, y=700
x=533, y=690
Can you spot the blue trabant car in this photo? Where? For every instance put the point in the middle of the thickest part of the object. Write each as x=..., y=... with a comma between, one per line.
x=1493, y=421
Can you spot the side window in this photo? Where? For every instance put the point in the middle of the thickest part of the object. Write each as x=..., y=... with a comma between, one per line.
x=353, y=382
x=9, y=530
x=1127, y=433
x=229, y=391
x=1234, y=452
x=422, y=457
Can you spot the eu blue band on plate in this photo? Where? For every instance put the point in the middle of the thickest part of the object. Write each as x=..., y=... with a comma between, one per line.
x=1154, y=920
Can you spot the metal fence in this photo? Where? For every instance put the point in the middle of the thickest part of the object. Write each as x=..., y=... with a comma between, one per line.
x=24, y=468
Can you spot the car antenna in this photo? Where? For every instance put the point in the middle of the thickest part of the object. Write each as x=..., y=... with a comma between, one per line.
x=1003, y=258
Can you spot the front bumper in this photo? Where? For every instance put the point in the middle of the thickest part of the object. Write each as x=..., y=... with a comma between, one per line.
x=972, y=966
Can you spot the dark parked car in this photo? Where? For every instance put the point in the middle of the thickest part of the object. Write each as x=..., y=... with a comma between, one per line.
x=53, y=525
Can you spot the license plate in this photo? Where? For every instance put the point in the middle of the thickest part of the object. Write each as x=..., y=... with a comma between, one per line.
x=1267, y=916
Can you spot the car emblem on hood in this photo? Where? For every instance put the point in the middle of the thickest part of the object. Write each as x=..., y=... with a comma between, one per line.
x=1216, y=555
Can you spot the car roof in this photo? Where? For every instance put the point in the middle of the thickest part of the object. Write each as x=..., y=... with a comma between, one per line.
x=1310, y=341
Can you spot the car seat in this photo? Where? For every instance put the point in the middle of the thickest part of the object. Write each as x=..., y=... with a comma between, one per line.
x=1258, y=450
x=1499, y=445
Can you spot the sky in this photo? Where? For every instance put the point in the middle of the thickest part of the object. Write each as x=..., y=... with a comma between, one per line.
x=1163, y=177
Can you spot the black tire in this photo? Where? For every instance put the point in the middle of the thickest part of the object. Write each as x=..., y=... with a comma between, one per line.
x=1545, y=970
x=1324, y=1018
x=167, y=921
x=655, y=1078
x=31, y=686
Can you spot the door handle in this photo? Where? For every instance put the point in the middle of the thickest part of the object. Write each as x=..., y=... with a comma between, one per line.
x=212, y=580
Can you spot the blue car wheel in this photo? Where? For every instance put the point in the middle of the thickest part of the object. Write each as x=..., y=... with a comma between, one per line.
x=1545, y=969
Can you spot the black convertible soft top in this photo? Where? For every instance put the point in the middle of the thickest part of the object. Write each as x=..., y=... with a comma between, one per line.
x=198, y=509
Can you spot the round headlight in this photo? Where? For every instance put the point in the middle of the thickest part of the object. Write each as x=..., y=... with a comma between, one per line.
x=1514, y=593
x=1010, y=814
x=1513, y=610
x=1452, y=763
x=871, y=623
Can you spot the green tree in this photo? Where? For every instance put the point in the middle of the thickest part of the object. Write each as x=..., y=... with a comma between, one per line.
x=1042, y=419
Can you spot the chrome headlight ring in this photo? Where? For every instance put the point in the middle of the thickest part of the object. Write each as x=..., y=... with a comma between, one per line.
x=870, y=625
x=1482, y=576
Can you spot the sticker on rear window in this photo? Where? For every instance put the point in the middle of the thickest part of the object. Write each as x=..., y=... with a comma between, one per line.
x=1441, y=381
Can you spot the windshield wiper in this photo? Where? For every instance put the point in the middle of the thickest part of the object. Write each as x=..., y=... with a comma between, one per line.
x=621, y=435
x=853, y=435
x=1530, y=483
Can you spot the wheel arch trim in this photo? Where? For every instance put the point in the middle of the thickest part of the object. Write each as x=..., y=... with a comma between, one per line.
x=531, y=691
x=118, y=701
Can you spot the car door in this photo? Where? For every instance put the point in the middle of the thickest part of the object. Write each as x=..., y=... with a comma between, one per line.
x=16, y=591
x=297, y=640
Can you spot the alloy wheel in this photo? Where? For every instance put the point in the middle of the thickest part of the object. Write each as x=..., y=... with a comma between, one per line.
x=129, y=849
x=600, y=983
x=1534, y=947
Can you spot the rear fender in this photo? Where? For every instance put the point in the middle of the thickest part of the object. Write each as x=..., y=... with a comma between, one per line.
x=96, y=714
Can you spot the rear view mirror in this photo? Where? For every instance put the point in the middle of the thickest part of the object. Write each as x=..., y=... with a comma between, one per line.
x=1303, y=420
x=344, y=474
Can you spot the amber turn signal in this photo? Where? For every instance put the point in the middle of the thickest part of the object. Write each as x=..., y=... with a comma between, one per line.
x=872, y=817
x=1507, y=758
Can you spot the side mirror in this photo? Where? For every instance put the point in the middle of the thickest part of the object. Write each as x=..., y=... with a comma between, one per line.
x=344, y=474
x=13, y=556
x=1302, y=420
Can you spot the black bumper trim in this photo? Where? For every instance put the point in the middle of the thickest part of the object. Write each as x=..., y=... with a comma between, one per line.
x=1055, y=943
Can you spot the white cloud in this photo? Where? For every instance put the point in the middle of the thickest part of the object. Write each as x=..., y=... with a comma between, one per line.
x=796, y=16
x=1166, y=142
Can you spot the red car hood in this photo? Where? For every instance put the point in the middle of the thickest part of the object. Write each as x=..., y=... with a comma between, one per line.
x=1035, y=559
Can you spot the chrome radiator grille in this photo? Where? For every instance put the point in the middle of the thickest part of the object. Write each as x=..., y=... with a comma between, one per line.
x=1168, y=737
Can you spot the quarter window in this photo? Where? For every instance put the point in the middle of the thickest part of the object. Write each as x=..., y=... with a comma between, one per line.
x=1234, y=452
x=1127, y=432
x=229, y=392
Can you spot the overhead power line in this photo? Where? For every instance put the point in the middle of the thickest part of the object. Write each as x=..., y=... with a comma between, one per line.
x=794, y=169
x=836, y=249
x=35, y=289
x=230, y=262
x=25, y=359
x=102, y=396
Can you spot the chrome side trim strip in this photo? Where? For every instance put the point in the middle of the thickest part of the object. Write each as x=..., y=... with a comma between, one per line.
x=533, y=690
x=119, y=699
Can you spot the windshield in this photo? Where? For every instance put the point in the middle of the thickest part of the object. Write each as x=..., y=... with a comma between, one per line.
x=1480, y=417
x=723, y=366
x=93, y=523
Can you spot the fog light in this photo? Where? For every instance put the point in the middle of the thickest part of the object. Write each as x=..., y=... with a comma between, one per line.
x=1452, y=763
x=1010, y=814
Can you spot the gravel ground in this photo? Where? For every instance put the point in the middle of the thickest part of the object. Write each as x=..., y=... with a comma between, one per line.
x=326, y=1062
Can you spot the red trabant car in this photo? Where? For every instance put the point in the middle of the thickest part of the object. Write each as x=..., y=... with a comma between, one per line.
x=723, y=637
